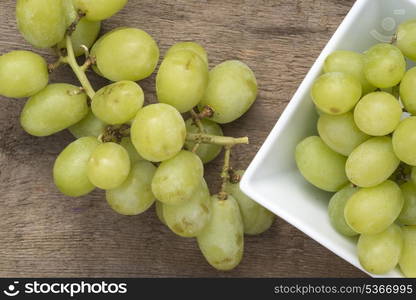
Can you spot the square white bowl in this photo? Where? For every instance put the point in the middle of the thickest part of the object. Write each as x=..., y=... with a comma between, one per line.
x=272, y=179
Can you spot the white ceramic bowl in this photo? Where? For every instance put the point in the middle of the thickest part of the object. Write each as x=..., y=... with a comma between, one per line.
x=272, y=179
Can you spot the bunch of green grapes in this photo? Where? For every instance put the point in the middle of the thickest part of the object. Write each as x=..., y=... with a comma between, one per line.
x=138, y=154
x=365, y=151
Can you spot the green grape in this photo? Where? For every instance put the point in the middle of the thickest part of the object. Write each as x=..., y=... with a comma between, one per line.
x=55, y=108
x=158, y=132
x=133, y=154
x=336, y=93
x=177, y=179
x=349, y=62
x=404, y=141
x=206, y=152
x=231, y=90
x=407, y=94
x=109, y=166
x=190, y=46
x=340, y=132
x=222, y=240
x=372, y=162
x=405, y=38
x=190, y=218
x=70, y=168
x=126, y=54
x=70, y=12
x=371, y=210
x=256, y=218
x=336, y=210
x=88, y=126
x=408, y=213
x=42, y=22
x=118, y=103
x=159, y=212
x=97, y=10
x=85, y=34
x=22, y=74
x=407, y=260
x=378, y=113
x=384, y=65
x=319, y=165
x=135, y=195
x=379, y=253
x=181, y=80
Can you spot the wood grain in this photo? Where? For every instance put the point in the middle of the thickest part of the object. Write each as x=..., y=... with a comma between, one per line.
x=43, y=233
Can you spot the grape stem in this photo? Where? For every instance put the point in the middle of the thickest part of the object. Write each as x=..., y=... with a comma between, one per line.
x=206, y=112
x=52, y=66
x=216, y=139
x=79, y=71
x=225, y=174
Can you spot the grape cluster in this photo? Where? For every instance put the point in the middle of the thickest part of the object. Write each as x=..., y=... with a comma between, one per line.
x=366, y=149
x=138, y=153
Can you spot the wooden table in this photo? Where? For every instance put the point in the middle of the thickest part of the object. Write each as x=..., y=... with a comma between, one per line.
x=43, y=233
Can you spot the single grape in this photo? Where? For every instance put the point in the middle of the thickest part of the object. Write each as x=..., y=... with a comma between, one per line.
x=405, y=38
x=126, y=54
x=407, y=95
x=231, y=90
x=42, y=22
x=340, y=132
x=349, y=62
x=256, y=218
x=372, y=162
x=55, y=108
x=133, y=154
x=407, y=260
x=222, y=240
x=85, y=33
x=70, y=168
x=404, y=141
x=379, y=253
x=118, y=103
x=336, y=210
x=177, y=179
x=378, y=113
x=22, y=74
x=408, y=213
x=371, y=210
x=158, y=132
x=336, y=93
x=135, y=195
x=206, y=152
x=109, y=166
x=182, y=80
x=159, y=212
x=190, y=218
x=98, y=10
x=319, y=165
x=384, y=65
x=88, y=126
x=190, y=46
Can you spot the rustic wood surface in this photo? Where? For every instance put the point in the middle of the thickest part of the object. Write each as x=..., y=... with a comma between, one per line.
x=43, y=233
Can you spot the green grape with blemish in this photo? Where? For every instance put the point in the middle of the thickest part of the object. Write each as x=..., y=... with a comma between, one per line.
x=90, y=125
x=55, y=108
x=407, y=261
x=319, y=165
x=133, y=154
x=177, y=179
x=158, y=132
x=190, y=46
x=371, y=210
x=222, y=240
x=256, y=218
x=182, y=80
x=22, y=74
x=231, y=90
x=118, y=103
x=108, y=166
x=42, y=23
x=98, y=10
x=190, y=218
x=206, y=152
x=404, y=141
x=70, y=168
x=408, y=214
x=134, y=195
